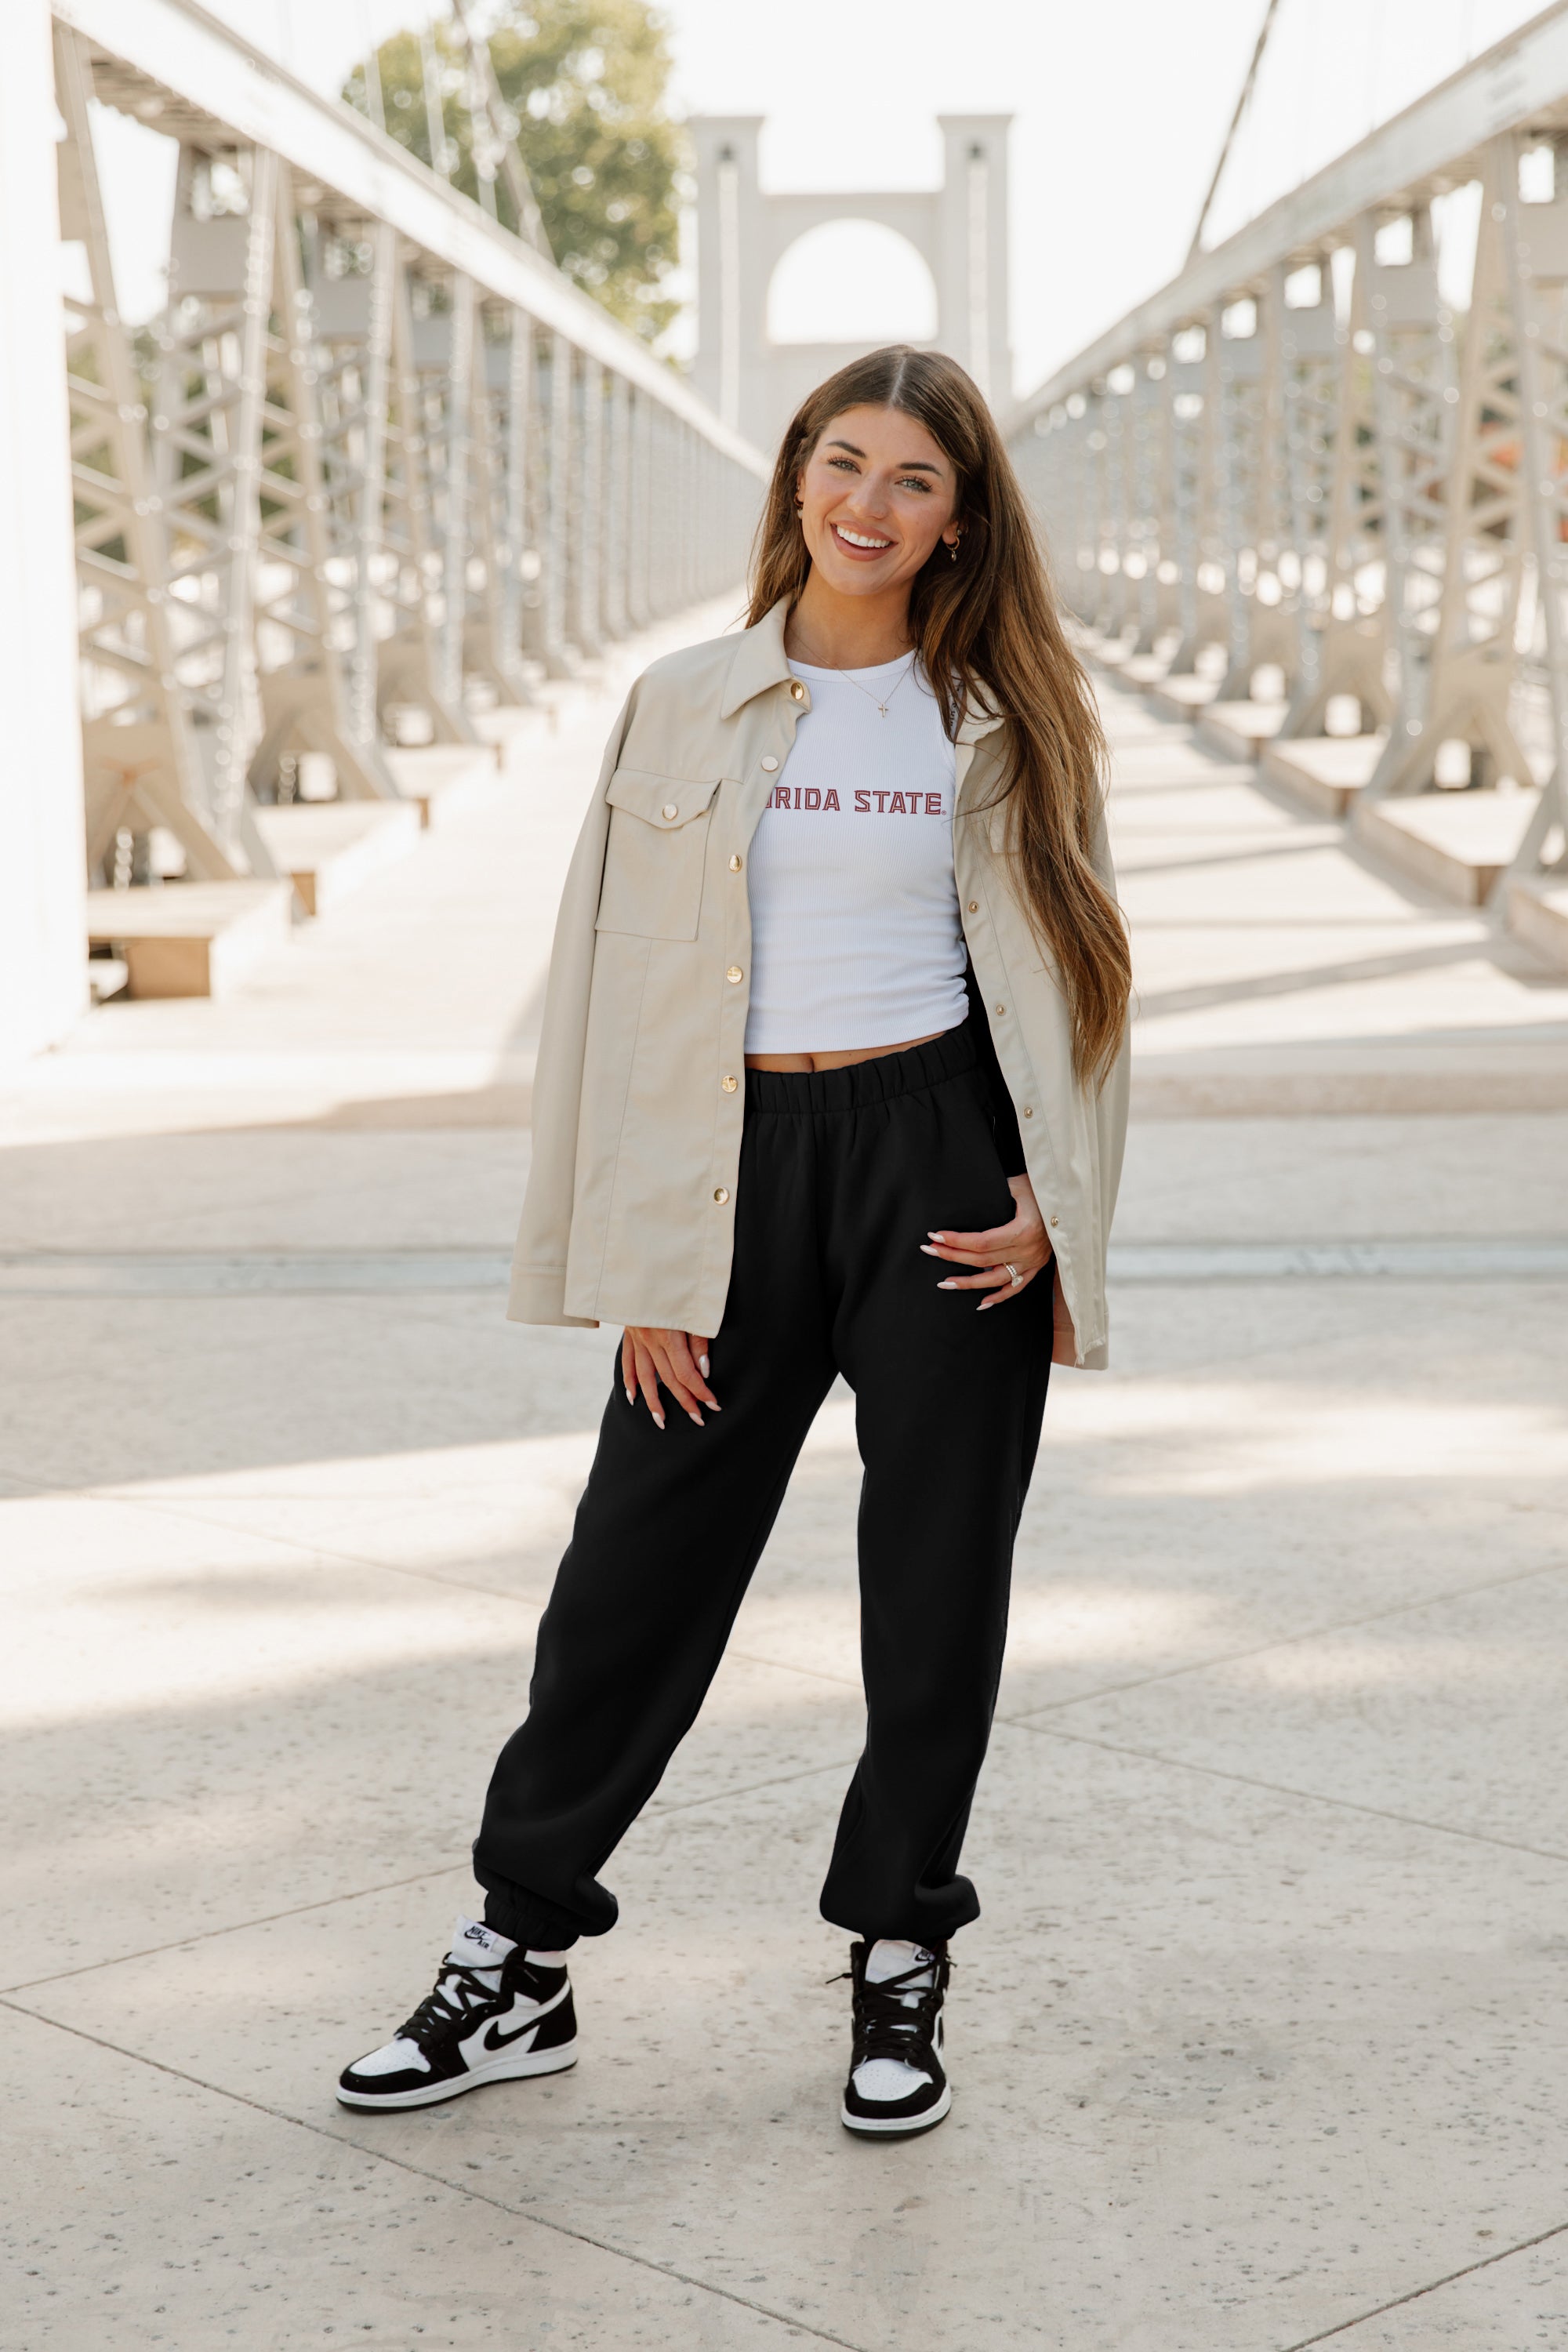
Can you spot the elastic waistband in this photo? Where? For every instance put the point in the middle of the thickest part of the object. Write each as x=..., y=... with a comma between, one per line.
x=863, y=1083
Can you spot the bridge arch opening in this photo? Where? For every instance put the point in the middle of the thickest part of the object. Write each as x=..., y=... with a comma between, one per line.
x=850, y=281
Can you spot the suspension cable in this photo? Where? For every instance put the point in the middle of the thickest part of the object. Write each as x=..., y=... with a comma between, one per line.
x=1242, y=104
x=435, y=112
x=503, y=129
x=374, y=93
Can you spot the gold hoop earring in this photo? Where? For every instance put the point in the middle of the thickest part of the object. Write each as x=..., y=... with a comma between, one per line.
x=952, y=549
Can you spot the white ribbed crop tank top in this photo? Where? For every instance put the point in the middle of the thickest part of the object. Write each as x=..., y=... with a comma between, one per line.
x=855, y=936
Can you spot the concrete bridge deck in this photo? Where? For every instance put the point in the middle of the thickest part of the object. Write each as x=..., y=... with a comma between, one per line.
x=1263, y=2036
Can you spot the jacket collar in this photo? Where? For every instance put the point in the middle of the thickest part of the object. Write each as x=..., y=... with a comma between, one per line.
x=975, y=724
x=760, y=661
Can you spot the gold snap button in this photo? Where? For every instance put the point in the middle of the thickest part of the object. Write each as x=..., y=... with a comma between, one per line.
x=974, y=905
x=736, y=862
x=670, y=810
x=1001, y=1008
x=734, y=972
x=1056, y=1220
x=728, y=1085
x=797, y=691
x=1028, y=1111
x=768, y=764
x=721, y=1194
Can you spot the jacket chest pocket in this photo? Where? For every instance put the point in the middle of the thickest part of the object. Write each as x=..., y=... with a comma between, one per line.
x=655, y=853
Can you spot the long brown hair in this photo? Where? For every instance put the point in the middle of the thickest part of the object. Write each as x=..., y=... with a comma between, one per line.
x=988, y=635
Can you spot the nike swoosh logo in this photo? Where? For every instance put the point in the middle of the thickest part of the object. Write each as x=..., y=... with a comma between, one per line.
x=496, y=2040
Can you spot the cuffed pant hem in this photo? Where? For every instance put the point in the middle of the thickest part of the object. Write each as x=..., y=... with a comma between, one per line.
x=530, y=1920
x=932, y=1926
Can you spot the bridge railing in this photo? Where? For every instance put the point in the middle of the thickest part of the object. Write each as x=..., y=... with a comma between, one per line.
x=376, y=450
x=1304, y=473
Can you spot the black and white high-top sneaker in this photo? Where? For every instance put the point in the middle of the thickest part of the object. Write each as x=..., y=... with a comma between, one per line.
x=494, y=2014
x=897, y=2085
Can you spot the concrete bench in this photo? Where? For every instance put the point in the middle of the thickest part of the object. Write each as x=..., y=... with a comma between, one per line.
x=106, y=978
x=1182, y=698
x=329, y=847
x=1325, y=773
x=190, y=939
x=1456, y=842
x=439, y=777
x=1238, y=730
x=1537, y=912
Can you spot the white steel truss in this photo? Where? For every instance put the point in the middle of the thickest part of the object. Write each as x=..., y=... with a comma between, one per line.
x=393, y=459
x=1535, y=257
x=1357, y=486
x=206, y=454
x=1336, y=507
x=141, y=765
x=351, y=274
x=499, y=541
x=308, y=622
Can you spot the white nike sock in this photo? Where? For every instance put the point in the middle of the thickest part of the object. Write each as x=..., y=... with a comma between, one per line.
x=482, y=1948
x=487, y=1951
x=888, y=1958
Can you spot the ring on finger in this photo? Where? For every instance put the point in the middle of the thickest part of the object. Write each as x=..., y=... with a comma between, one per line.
x=1012, y=1270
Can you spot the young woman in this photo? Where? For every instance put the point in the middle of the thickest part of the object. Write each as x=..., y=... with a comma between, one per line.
x=832, y=1080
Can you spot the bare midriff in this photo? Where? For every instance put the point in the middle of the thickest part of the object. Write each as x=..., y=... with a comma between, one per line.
x=839, y=1058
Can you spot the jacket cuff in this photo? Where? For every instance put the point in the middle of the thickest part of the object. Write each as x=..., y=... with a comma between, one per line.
x=538, y=1294
x=1009, y=1142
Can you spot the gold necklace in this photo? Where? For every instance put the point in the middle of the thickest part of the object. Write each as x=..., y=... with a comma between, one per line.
x=865, y=690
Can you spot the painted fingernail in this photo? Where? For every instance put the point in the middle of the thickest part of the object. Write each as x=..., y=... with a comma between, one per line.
x=933, y=1237
x=702, y=1366
x=947, y=1285
x=658, y=1421
x=927, y=1251
x=631, y=1396
x=697, y=1417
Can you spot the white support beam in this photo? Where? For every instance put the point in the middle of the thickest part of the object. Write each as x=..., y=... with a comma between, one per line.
x=43, y=917
x=180, y=48
x=1437, y=143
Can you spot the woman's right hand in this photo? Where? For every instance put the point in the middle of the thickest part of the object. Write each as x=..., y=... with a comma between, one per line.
x=650, y=1354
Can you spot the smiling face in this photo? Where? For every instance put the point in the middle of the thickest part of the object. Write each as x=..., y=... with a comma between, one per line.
x=877, y=493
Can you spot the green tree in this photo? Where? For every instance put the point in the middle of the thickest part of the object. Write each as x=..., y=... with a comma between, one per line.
x=585, y=81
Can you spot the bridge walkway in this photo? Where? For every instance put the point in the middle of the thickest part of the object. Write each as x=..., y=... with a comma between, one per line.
x=1261, y=2034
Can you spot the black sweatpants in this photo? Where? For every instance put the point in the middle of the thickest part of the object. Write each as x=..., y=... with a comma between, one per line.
x=843, y=1173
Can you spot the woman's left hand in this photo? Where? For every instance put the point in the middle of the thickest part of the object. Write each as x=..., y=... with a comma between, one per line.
x=1008, y=1256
